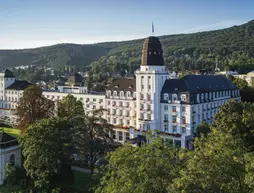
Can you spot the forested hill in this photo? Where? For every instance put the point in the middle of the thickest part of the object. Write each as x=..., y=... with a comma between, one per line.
x=232, y=47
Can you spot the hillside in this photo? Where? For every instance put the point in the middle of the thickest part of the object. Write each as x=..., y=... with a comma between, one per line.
x=233, y=47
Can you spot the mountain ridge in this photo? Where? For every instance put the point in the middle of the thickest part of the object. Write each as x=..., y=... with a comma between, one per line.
x=233, y=39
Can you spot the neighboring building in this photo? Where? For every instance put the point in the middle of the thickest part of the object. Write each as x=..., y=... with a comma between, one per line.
x=155, y=100
x=226, y=73
x=10, y=90
x=249, y=78
x=9, y=152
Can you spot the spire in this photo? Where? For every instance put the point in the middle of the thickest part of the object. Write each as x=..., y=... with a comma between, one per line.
x=152, y=28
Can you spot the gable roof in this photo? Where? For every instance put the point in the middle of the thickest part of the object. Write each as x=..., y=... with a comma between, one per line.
x=19, y=85
x=198, y=84
x=7, y=140
x=123, y=85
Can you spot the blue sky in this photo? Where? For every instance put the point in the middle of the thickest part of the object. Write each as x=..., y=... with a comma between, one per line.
x=34, y=23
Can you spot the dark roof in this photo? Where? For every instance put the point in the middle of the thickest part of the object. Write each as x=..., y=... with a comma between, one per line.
x=7, y=73
x=19, y=85
x=123, y=85
x=198, y=84
x=152, y=53
x=7, y=140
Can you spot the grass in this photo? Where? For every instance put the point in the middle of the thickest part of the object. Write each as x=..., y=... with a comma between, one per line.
x=12, y=131
x=83, y=181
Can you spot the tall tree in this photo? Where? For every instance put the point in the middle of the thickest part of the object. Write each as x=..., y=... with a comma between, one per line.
x=203, y=128
x=69, y=107
x=46, y=151
x=215, y=165
x=237, y=119
x=91, y=137
x=149, y=168
x=33, y=106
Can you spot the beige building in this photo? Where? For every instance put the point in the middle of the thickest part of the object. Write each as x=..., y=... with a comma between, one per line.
x=249, y=78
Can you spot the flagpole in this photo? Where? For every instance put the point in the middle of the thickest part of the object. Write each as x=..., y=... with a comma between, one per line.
x=152, y=28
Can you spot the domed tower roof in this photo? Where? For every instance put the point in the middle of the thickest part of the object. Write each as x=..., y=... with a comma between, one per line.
x=152, y=53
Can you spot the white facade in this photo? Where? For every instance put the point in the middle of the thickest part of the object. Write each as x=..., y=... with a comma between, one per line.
x=10, y=154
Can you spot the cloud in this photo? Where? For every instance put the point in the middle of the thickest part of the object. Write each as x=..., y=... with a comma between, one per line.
x=214, y=26
x=18, y=43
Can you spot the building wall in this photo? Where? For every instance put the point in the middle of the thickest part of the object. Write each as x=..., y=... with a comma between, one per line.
x=5, y=155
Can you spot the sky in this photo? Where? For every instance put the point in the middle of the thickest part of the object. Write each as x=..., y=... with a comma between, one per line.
x=35, y=23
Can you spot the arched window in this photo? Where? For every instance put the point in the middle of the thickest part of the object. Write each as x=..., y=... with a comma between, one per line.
x=115, y=94
x=121, y=94
x=128, y=94
x=202, y=97
x=206, y=96
x=174, y=97
x=165, y=97
x=210, y=95
x=12, y=159
x=183, y=97
x=109, y=93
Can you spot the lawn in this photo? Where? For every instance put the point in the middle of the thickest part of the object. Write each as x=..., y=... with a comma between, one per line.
x=11, y=131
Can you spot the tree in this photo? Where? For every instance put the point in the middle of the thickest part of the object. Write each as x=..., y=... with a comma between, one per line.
x=215, y=165
x=240, y=83
x=203, y=128
x=149, y=168
x=91, y=137
x=33, y=106
x=237, y=119
x=69, y=107
x=46, y=152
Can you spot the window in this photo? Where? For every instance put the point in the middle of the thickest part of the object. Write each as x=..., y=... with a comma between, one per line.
x=183, y=109
x=165, y=97
x=120, y=135
x=114, y=121
x=174, y=129
x=197, y=97
x=12, y=159
x=121, y=94
x=108, y=102
x=142, y=86
x=149, y=86
x=128, y=94
x=174, y=108
x=174, y=97
x=115, y=94
x=183, y=119
x=141, y=96
x=94, y=100
x=183, y=97
x=165, y=117
x=148, y=126
x=109, y=93
x=183, y=130
x=174, y=119
x=114, y=134
x=165, y=107
x=127, y=136
x=165, y=127
x=148, y=97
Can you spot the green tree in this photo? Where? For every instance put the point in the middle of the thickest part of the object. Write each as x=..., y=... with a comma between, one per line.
x=91, y=137
x=215, y=165
x=203, y=128
x=240, y=83
x=33, y=106
x=69, y=107
x=237, y=119
x=149, y=168
x=46, y=152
